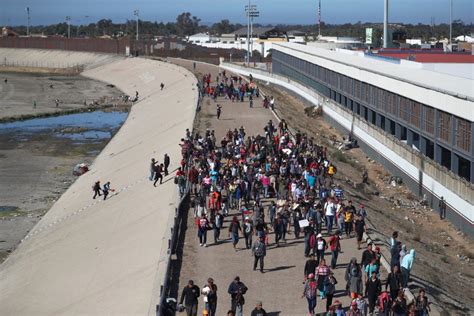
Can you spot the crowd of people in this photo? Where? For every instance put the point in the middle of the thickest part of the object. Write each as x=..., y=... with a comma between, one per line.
x=279, y=184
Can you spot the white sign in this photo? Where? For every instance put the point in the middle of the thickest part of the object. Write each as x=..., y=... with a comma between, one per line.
x=303, y=223
x=368, y=35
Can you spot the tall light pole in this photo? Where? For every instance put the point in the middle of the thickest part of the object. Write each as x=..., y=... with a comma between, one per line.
x=135, y=13
x=28, y=21
x=251, y=11
x=68, y=20
x=385, y=24
x=319, y=19
x=451, y=25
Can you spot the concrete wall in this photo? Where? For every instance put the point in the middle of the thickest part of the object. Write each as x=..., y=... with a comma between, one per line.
x=49, y=58
x=421, y=174
x=95, y=257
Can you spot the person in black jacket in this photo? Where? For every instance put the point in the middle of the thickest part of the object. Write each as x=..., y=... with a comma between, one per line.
x=259, y=311
x=373, y=288
x=310, y=266
x=367, y=256
x=237, y=291
x=166, y=161
x=394, y=280
x=190, y=296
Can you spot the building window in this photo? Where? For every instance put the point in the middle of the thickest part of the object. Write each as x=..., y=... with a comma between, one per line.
x=357, y=89
x=463, y=134
x=380, y=98
x=428, y=120
x=445, y=126
x=415, y=114
x=404, y=109
x=392, y=106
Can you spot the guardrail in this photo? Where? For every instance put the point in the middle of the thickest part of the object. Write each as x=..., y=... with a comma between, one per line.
x=175, y=230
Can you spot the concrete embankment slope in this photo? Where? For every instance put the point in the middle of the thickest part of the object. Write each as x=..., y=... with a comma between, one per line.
x=94, y=257
x=14, y=59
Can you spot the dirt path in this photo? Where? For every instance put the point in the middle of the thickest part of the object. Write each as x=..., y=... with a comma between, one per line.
x=280, y=287
x=445, y=259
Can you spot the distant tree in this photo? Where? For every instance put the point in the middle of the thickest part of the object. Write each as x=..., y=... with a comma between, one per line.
x=222, y=27
x=186, y=24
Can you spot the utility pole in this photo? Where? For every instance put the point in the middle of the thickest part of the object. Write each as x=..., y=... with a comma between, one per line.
x=251, y=11
x=247, y=9
x=385, y=24
x=451, y=25
x=28, y=21
x=68, y=20
x=319, y=19
x=135, y=13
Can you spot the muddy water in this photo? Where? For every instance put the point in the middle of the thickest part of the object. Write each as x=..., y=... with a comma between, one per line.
x=37, y=157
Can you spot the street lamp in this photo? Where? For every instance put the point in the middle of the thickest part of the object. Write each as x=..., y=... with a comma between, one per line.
x=135, y=13
x=251, y=12
x=68, y=20
x=28, y=21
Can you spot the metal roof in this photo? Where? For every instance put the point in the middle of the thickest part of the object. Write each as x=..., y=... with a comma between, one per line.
x=456, y=86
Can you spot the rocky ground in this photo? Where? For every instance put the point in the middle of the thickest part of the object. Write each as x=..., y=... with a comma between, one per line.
x=20, y=91
x=444, y=263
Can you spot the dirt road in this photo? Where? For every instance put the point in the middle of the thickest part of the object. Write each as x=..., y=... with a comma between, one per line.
x=280, y=287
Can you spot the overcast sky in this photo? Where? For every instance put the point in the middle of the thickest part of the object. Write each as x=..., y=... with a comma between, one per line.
x=12, y=12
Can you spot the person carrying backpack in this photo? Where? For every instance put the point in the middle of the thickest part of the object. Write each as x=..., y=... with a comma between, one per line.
x=353, y=278
x=237, y=291
x=310, y=292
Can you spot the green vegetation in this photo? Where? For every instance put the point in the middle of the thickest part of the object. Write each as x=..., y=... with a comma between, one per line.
x=187, y=24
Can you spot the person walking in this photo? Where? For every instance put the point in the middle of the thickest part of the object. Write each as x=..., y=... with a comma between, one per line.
x=394, y=281
x=106, y=189
x=335, y=245
x=219, y=111
x=189, y=296
x=320, y=247
x=251, y=101
x=203, y=226
x=218, y=222
x=399, y=305
x=359, y=228
x=310, y=293
x=353, y=277
x=421, y=304
x=158, y=175
x=442, y=208
x=373, y=288
x=152, y=169
x=310, y=267
x=237, y=290
x=96, y=189
x=406, y=265
x=234, y=229
x=166, y=162
x=259, y=251
x=258, y=310
x=248, y=232
x=322, y=272
x=210, y=297
x=330, y=289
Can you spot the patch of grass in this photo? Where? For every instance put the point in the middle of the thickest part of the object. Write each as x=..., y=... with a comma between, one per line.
x=445, y=259
x=340, y=156
x=12, y=213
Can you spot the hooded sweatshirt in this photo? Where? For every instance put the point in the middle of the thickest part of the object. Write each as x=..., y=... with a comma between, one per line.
x=408, y=259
